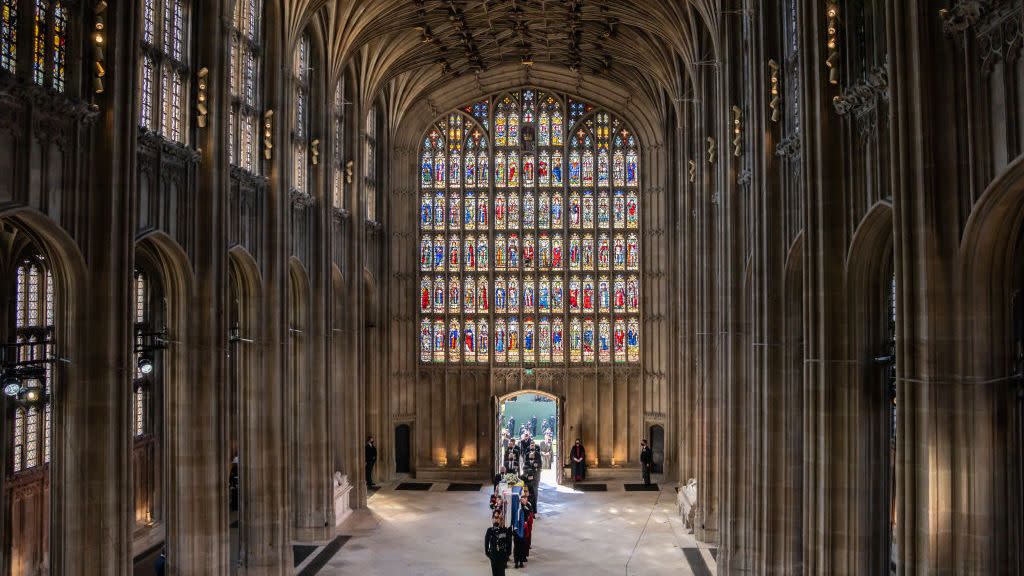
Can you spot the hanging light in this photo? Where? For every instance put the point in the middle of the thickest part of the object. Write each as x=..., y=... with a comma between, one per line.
x=11, y=385
x=146, y=364
x=30, y=394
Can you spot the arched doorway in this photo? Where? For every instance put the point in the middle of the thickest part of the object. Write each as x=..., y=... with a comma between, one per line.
x=530, y=414
x=657, y=436
x=403, y=449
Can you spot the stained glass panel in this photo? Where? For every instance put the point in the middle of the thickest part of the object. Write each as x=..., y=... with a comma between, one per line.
x=534, y=226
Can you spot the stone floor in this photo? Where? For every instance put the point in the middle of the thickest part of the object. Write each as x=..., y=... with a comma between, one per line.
x=440, y=533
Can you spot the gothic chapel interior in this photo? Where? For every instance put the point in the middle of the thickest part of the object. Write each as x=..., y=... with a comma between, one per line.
x=785, y=238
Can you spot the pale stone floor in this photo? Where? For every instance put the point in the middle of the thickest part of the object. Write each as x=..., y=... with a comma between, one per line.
x=440, y=533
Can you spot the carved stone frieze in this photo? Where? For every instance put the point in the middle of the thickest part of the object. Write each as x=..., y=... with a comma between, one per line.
x=745, y=178
x=341, y=214
x=863, y=96
x=789, y=146
x=962, y=15
x=1000, y=34
x=301, y=200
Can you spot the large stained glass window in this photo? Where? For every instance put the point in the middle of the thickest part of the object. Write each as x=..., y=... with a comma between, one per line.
x=163, y=70
x=246, y=60
x=9, y=35
x=529, y=234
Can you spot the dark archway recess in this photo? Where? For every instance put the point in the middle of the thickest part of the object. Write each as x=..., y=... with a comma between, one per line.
x=403, y=448
x=657, y=439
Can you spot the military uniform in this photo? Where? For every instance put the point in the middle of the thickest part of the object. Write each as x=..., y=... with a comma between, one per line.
x=497, y=547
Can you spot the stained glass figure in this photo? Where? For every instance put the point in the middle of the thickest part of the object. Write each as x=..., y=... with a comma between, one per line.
x=544, y=211
x=603, y=252
x=604, y=219
x=9, y=35
x=604, y=295
x=529, y=167
x=513, y=252
x=620, y=209
x=425, y=299
x=500, y=252
x=425, y=340
x=426, y=250
x=602, y=168
x=557, y=345
x=454, y=294
x=633, y=252
x=544, y=294
x=556, y=168
x=588, y=294
x=453, y=253
x=575, y=302
x=469, y=295
x=544, y=340
x=439, y=340
x=588, y=252
x=557, y=299
x=482, y=341
x=439, y=293
x=454, y=346
x=529, y=340
x=588, y=209
x=469, y=341
x=469, y=211
x=556, y=253
x=631, y=168
x=620, y=340
x=513, y=340
x=513, y=295
x=529, y=211
x=513, y=169
x=632, y=211
x=633, y=294
x=620, y=252
x=500, y=212
x=500, y=295
x=633, y=340
x=588, y=340
x=470, y=170
x=544, y=169
x=500, y=340
x=575, y=340
x=556, y=210
x=604, y=341
x=481, y=253
x=529, y=251
x=529, y=295
x=544, y=252
x=575, y=171
x=500, y=175
x=619, y=168
x=619, y=297
x=454, y=212
x=512, y=211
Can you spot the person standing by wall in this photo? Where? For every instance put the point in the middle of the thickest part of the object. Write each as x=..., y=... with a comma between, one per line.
x=371, y=460
x=646, y=461
x=578, y=457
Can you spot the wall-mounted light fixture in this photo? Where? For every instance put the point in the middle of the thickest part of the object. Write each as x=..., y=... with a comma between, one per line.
x=712, y=150
x=268, y=134
x=737, y=131
x=774, y=99
x=99, y=46
x=201, y=95
x=832, y=12
x=314, y=151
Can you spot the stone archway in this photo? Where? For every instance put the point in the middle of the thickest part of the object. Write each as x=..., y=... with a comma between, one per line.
x=502, y=421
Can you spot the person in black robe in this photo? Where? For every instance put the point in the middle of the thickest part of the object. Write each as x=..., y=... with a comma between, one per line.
x=511, y=458
x=578, y=458
x=522, y=543
x=371, y=459
x=531, y=476
x=646, y=461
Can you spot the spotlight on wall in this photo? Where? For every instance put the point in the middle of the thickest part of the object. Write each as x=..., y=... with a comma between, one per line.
x=737, y=131
x=146, y=364
x=773, y=90
x=99, y=39
x=268, y=134
x=11, y=384
x=832, y=12
x=201, y=95
x=30, y=395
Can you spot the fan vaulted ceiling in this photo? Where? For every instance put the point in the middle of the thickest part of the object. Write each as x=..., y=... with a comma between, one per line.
x=647, y=45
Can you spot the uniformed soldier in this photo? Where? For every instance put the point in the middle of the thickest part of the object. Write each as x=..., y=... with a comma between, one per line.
x=497, y=546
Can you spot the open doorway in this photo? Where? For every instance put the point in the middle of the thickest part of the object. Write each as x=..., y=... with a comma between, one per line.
x=403, y=448
x=526, y=415
x=658, y=449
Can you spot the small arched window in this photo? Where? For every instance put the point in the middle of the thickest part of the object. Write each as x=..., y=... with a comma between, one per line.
x=246, y=65
x=163, y=78
x=301, y=121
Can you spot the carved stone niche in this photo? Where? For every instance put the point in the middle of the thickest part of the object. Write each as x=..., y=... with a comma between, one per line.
x=342, y=500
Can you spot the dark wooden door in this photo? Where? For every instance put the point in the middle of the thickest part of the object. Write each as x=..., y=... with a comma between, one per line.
x=403, y=448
